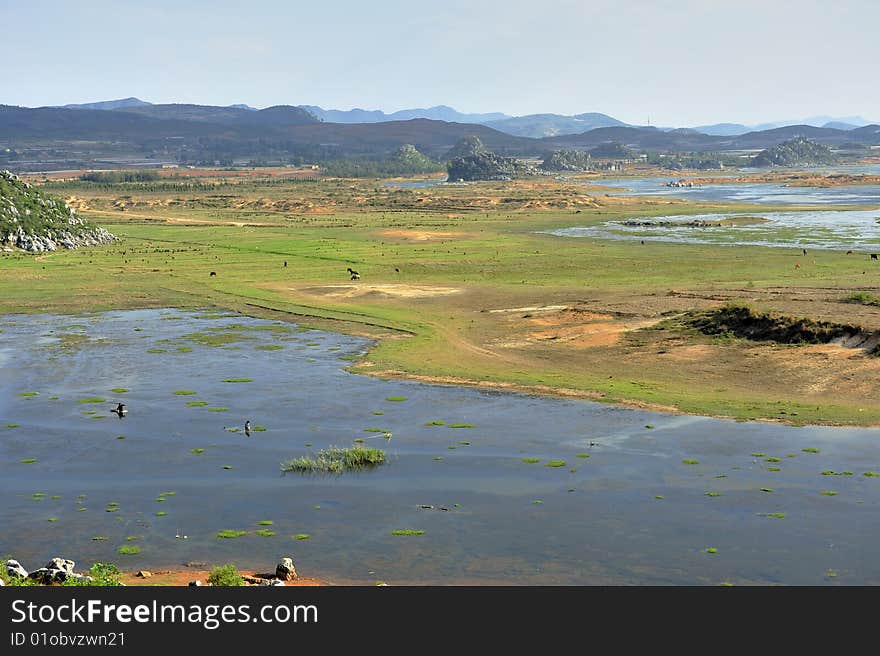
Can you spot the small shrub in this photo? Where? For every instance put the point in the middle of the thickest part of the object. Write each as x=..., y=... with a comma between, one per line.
x=225, y=575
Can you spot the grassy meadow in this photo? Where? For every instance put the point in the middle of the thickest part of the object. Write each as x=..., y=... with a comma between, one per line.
x=457, y=286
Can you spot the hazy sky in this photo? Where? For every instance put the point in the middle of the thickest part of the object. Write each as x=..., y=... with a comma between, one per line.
x=681, y=62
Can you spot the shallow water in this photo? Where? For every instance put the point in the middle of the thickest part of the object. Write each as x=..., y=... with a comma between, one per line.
x=857, y=230
x=765, y=193
x=601, y=524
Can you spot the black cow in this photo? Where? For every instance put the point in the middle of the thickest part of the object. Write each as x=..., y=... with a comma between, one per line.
x=213, y=273
x=873, y=256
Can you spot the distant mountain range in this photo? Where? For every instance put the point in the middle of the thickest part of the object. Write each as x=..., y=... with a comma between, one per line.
x=188, y=133
x=535, y=126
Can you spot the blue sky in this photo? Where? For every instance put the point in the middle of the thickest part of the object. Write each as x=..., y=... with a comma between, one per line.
x=681, y=63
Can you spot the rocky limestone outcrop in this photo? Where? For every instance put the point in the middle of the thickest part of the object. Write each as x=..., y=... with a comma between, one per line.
x=34, y=221
x=285, y=571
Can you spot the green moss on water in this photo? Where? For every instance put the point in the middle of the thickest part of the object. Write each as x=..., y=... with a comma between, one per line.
x=773, y=515
x=258, y=429
x=197, y=450
x=772, y=460
x=264, y=532
x=52, y=519
x=227, y=466
x=161, y=513
x=301, y=536
x=828, y=493
x=407, y=531
x=711, y=550
x=435, y=422
x=265, y=522
x=396, y=399
x=184, y=392
x=218, y=409
x=714, y=494
x=92, y=399
x=27, y=394
x=229, y=534
x=238, y=380
x=27, y=461
x=767, y=489
x=11, y=425
x=100, y=538
x=127, y=550
x=690, y=461
x=555, y=463
x=120, y=437
x=810, y=450
x=461, y=425
x=119, y=390
x=758, y=454
x=531, y=461
x=269, y=347
x=155, y=350
x=583, y=455
x=196, y=404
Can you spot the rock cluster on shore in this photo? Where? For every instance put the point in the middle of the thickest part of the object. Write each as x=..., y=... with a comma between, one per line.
x=57, y=570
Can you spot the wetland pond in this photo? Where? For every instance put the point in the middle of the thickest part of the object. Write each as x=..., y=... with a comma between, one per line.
x=519, y=489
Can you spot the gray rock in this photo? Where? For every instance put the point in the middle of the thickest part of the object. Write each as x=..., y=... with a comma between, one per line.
x=196, y=582
x=41, y=575
x=61, y=564
x=2, y=583
x=285, y=570
x=14, y=568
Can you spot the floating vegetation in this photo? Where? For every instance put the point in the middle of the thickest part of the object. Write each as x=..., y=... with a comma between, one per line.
x=185, y=392
x=766, y=489
x=155, y=350
x=870, y=474
x=464, y=443
x=583, y=455
x=301, y=536
x=375, y=430
x=758, y=454
x=196, y=404
x=55, y=496
x=773, y=515
x=92, y=399
x=555, y=463
x=131, y=538
x=435, y=422
x=218, y=409
x=659, y=496
x=438, y=458
x=714, y=494
x=216, y=339
x=11, y=425
x=183, y=349
x=100, y=538
x=197, y=450
x=461, y=425
x=772, y=460
x=810, y=449
x=229, y=534
x=828, y=493
x=119, y=390
x=161, y=513
x=27, y=461
x=649, y=426
x=378, y=412
x=128, y=550
x=831, y=472
x=537, y=502
x=227, y=466
x=690, y=461
x=269, y=347
x=265, y=522
x=774, y=469
x=238, y=380
x=28, y=394
x=452, y=446
x=407, y=531
x=258, y=429
x=120, y=437
x=711, y=550
x=308, y=444
x=265, y=532
x=336, y=460
x=531, y=461
x=395, y=398
x=52, y=519
x=359, y=440
x=38, y=496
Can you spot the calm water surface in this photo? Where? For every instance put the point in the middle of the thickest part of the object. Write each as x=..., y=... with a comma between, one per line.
x=631, y=513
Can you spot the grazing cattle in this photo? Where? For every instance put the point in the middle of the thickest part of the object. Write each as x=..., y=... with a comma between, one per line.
x=797, y=266
x=354, y=274
x=805, y=251
x=849, y=252
x=873, y=256
x=285, y=263
x=213, y=273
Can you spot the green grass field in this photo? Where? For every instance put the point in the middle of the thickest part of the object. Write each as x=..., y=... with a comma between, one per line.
x=466, y=291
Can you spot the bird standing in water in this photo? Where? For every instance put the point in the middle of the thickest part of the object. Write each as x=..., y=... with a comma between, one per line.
x=120, y=410
x=247, y=428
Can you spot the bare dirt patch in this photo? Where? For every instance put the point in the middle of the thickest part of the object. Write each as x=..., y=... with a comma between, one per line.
x=423, y=235
x=389, y=290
